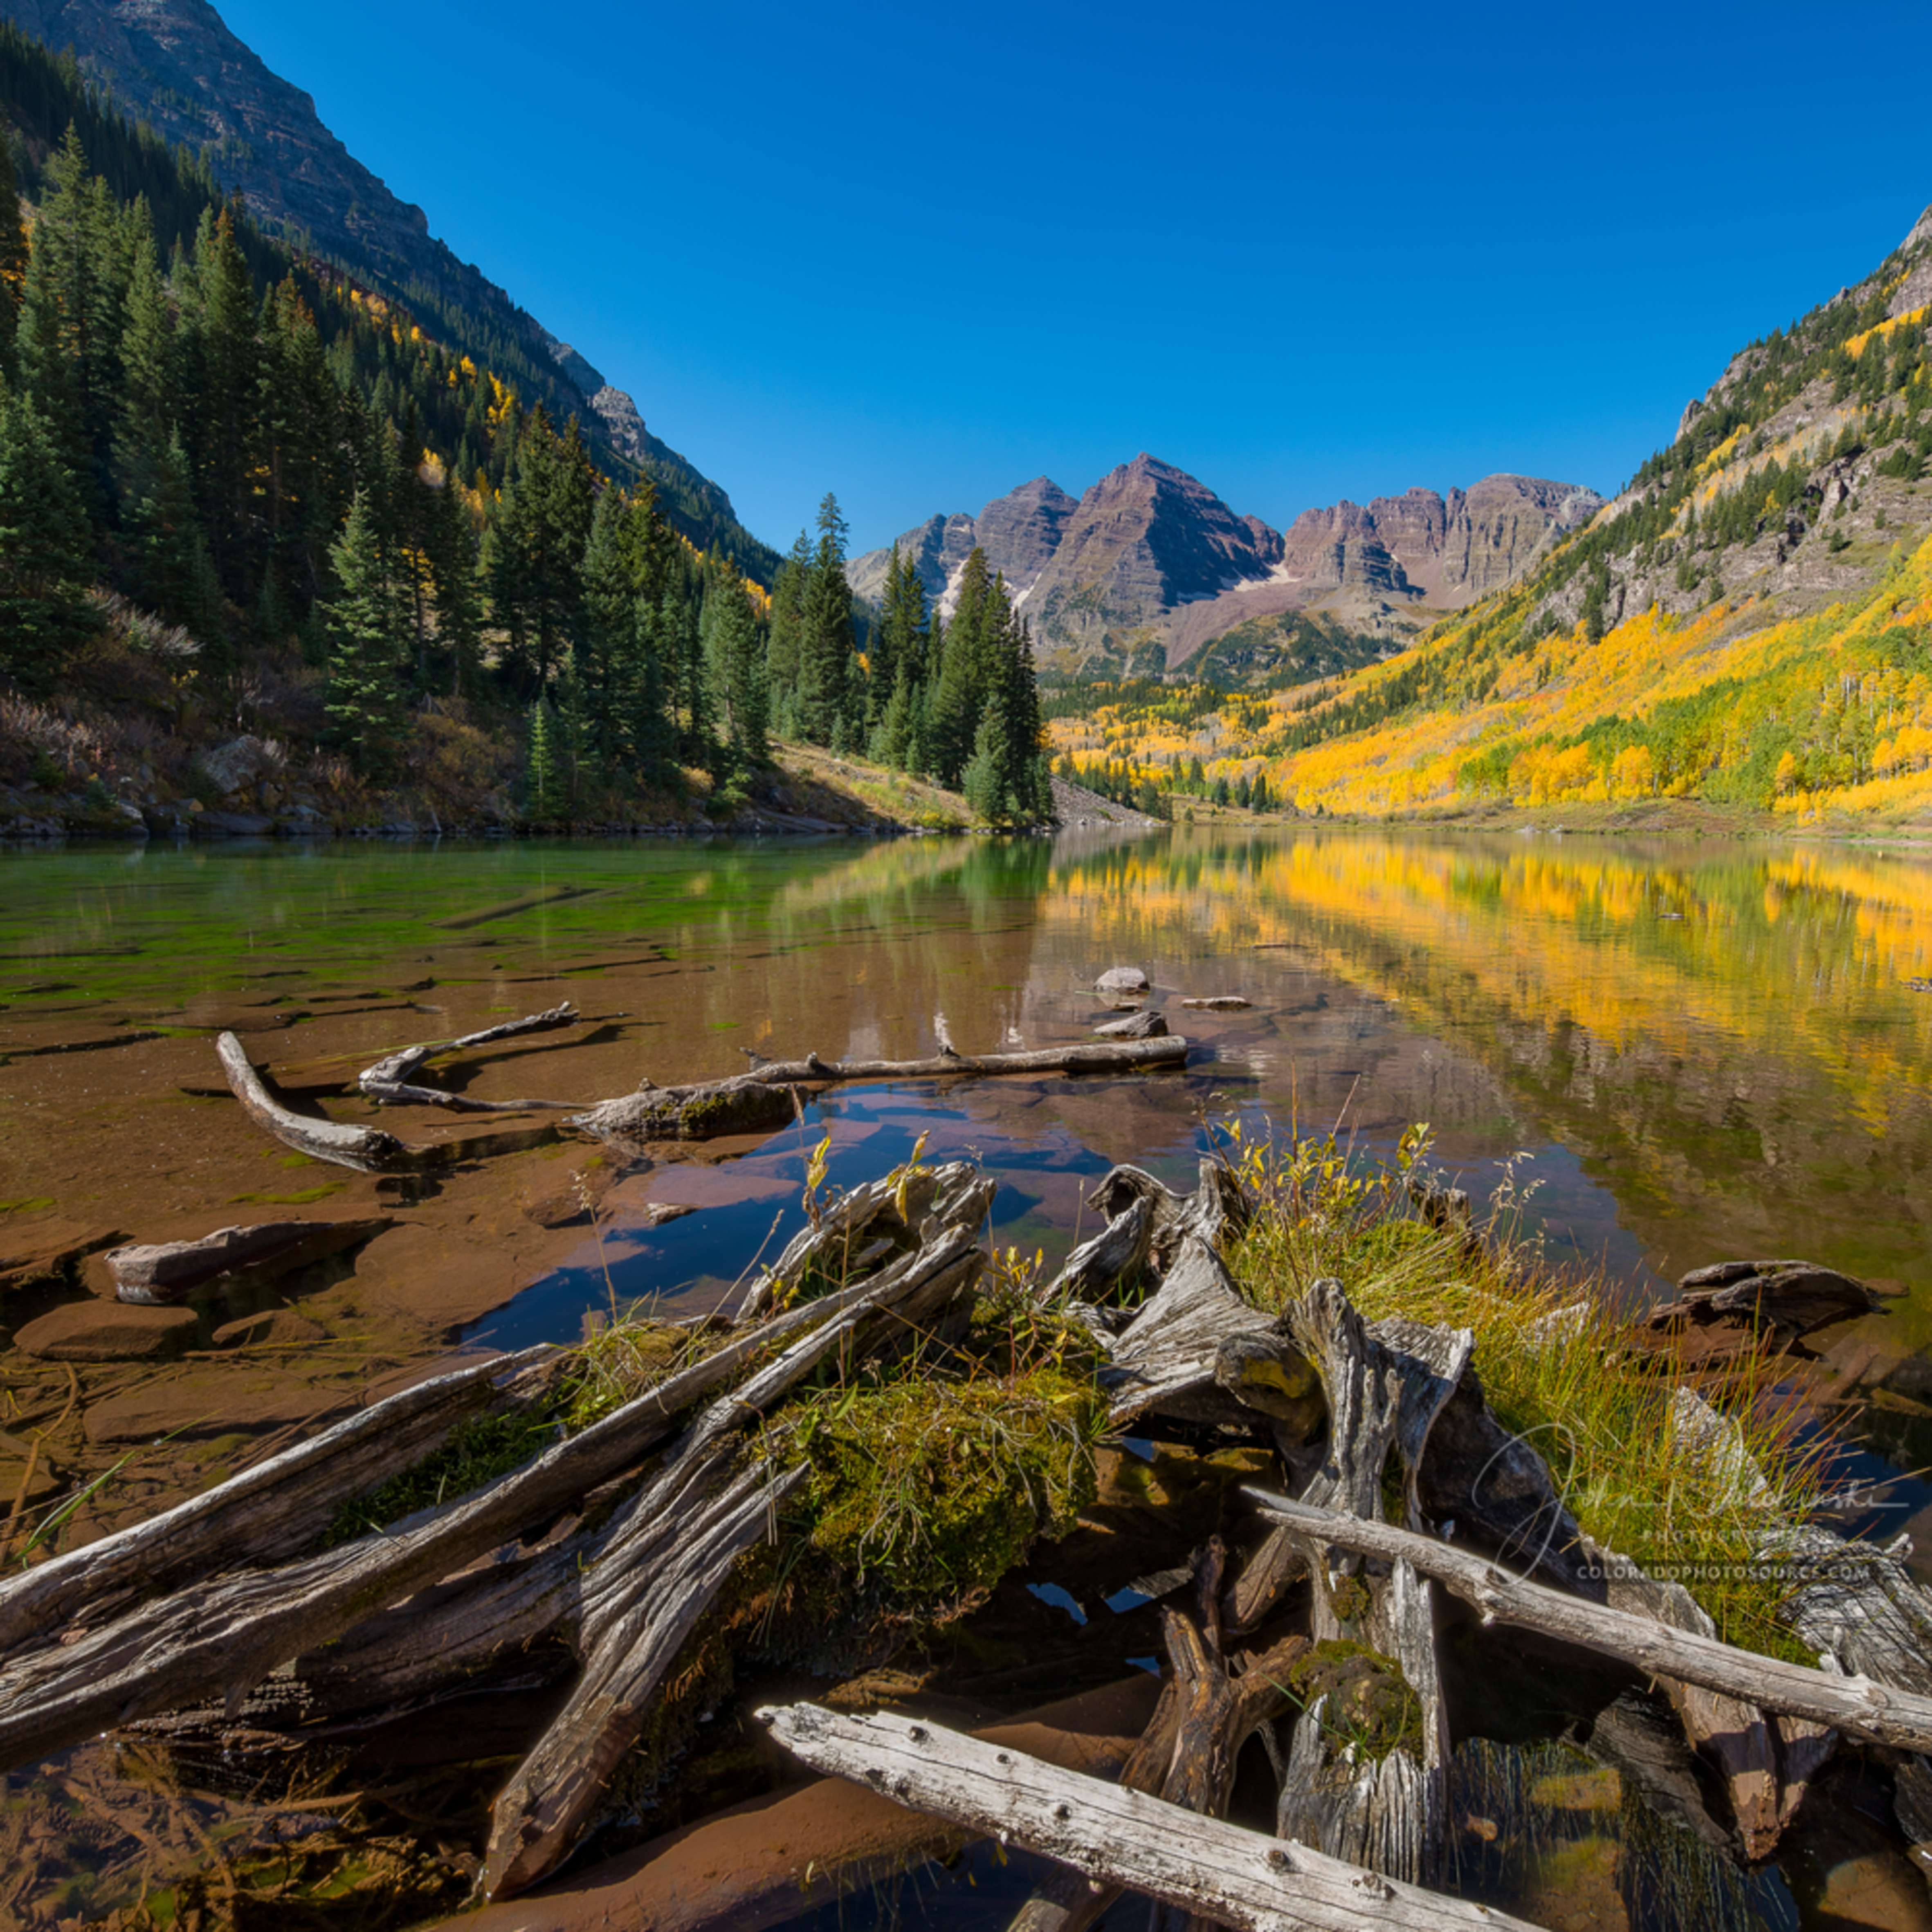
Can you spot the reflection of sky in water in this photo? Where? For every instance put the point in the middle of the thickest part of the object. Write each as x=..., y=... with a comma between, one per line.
x=745, y=1211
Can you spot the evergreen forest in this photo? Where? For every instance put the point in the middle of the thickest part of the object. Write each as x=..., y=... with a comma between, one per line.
x=239, y=488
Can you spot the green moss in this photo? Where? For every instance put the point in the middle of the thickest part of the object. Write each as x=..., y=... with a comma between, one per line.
x=31, y=1207
x=1348, y=1597
x=1370, y=1707
x=301, y=1200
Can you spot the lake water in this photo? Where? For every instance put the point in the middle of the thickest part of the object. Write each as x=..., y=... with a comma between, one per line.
x=1698, y=1051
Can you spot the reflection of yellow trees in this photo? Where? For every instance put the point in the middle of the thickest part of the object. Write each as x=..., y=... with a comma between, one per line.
x=1569, y=937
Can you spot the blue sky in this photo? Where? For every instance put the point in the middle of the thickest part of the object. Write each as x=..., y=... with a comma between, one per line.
x=918, y=256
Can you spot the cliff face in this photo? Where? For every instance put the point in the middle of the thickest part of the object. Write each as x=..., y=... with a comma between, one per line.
x=176, y=65
x=1150, y=566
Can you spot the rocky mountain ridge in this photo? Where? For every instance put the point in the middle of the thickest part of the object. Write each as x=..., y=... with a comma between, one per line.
x=1149, y=567
x=176, y=64
x=1791, y=479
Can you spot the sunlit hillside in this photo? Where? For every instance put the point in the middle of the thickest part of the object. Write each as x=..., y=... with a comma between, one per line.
x=1749, y=624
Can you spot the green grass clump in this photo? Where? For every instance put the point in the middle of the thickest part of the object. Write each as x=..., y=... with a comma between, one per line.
x=615, y=1363
x=479, y=1451
x=1553, y=1355
x=930, y=1488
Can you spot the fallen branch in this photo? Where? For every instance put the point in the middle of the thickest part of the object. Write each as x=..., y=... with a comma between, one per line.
x=755, y=1101
x=369, y=1150
x=388, y=1082
x=1117, y=1836
x=272, y=1511
x=219, y=1638
x=1855, y=1705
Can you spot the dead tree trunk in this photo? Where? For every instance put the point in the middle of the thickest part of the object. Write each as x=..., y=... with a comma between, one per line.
x=369, y=1150
x=757, y=1102
x=1856, y=1705
x=388, y=1082
x=1120, y=1836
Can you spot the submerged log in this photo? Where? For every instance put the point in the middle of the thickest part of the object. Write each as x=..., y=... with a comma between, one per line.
x=754, y=1102
x=1117, y=1836
x=161, y=1274
x=1147, y=1023
x=1856, y=1705
x=388, y=1082
x=1777, y=1301
x=369, y=1150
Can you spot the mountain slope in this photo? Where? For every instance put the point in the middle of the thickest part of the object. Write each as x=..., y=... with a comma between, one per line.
x=1149, y=570
x=176, y=65
x=1748, y=624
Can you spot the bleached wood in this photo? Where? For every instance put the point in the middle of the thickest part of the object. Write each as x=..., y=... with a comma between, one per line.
x=1858, y=1705
x=1120, y=1836
x=644, y=1595
x=269, y=1511
x=368, y=1149
x=388, y=1081
x=220, y=1637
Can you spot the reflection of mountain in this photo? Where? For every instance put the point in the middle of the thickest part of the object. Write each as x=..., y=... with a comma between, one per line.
x=1725, y=1040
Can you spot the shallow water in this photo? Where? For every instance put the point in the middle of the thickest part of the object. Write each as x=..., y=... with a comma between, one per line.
x=1692, y=1052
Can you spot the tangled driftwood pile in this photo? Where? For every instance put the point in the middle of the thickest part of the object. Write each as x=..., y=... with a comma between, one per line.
x=616, y=1540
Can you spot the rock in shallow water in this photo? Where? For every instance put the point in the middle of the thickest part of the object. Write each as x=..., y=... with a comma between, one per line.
x=1122, y=979
x=105, y=1331
x=1145, y=1025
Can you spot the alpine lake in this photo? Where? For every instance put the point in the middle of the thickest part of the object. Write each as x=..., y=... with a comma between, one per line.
x=1670, y=1053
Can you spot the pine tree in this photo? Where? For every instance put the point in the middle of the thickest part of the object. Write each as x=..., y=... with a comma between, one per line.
x=734, y=666
x=453, y=571
x=543, y=792
x=222, y=352
x=46, y=562
x=174, y=574
x=610, y=647
x=12, y=264
x=781, y=649
x=364, y=695
x=827, y=670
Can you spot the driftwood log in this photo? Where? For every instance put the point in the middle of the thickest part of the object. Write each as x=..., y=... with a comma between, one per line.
x=270, y=1511
x=161, y=1274
x=654, y=1574
x=756, y=1102
x=1855, y=1705
x=220, y=1635
x=871, y=1224
x=1117, y=1836
x=388, y=1084
x=369, y=1150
